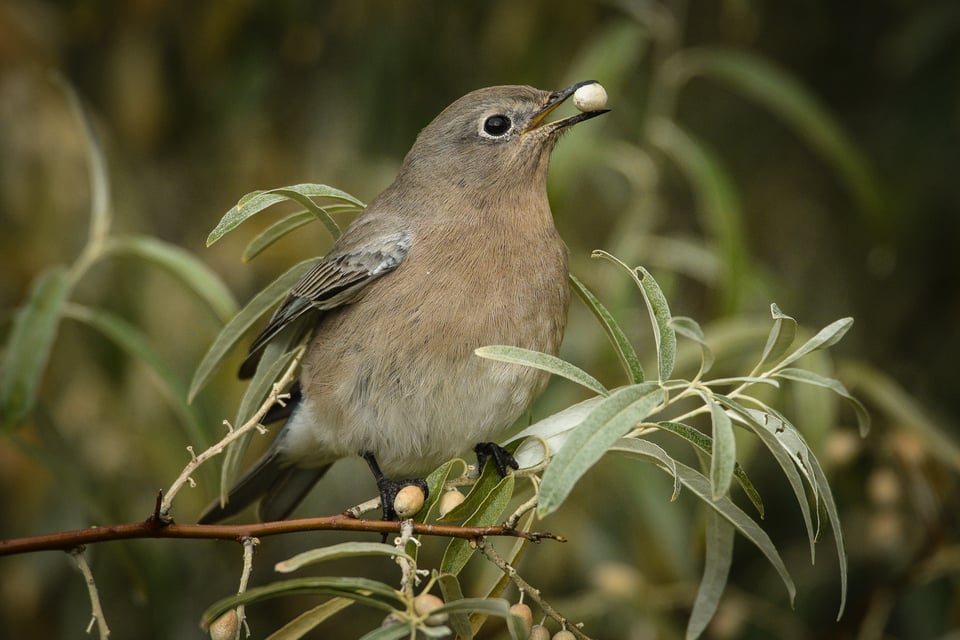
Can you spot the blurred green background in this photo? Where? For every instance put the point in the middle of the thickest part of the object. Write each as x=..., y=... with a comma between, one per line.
x=803, y=153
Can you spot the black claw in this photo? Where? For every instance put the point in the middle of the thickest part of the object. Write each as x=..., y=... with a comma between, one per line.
x=500, y=456
x=390, y=488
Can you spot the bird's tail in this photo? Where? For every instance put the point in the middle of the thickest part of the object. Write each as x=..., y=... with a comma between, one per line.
x=279, y=487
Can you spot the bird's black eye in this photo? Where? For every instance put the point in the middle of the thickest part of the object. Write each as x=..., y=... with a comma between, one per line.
x=496, y=125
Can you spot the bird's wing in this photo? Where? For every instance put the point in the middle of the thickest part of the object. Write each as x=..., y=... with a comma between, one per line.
x=334, y=281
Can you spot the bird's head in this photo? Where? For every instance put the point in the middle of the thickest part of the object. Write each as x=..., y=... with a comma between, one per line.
x=494, y=138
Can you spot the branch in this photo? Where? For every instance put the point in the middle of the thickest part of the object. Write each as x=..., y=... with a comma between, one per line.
x=276, y=395
x=154, y=527
x=527, y=589
x=97, y=609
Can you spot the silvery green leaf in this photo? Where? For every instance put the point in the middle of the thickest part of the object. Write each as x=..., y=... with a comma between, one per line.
x=234, y=330
x=621, y=344
x=724, y=457
x=704, y=443
x=553, y=429
x=783, y=447
x=716, y=569
x=803, y=375
x=337, y=551
x=690, y=329
x=544, y=362
x=782, y=334
x=699, y=485
x=256, y=201
x=370, y=592
x=826, y=337
x=310, y=619
x=659, y=310
x=610, y=420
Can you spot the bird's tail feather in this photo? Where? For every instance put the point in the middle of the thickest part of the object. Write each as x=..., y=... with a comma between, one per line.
x=279, y=487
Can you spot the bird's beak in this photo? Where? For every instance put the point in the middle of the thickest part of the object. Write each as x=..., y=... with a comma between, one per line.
x=555, y=100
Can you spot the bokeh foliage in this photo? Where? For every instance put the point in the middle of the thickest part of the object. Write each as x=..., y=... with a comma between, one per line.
x=801, y=153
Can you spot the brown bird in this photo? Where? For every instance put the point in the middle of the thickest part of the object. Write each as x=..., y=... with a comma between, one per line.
x=458, y=253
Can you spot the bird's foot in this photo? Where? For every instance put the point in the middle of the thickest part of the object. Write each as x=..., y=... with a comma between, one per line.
x=500, y=456
x=390, y=488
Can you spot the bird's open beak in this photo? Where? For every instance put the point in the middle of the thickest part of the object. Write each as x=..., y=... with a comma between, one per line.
x=556, y=99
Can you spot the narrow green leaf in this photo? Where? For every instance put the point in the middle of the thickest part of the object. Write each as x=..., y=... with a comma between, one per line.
x=809, y=377
x=29, y=344
x=664, y=333
x=257, y=201
x=716, y=569
x=452, y=592
x=100, y=210
x=337, y=551
x=553, y=430
x=310, y=619
x=826, y=499
x=182, y=265
x=696, y=482
x=390, y=632
x=782, y=334
x=784, y=96
x=370, y=592
x=609, y=420
x=302, y=194
x=435, y=487
x=826, y=337
x=241, y=323
x=621, y=344
x=704, y=443
x=486, y=484
x=282, y=227
x=131, y=340
x=459, y=551
x=738, y=380
x=717, y=201
x=724, y=456
x=544, y=362
x=783, y=451
x=690, y=329
x=488, y=607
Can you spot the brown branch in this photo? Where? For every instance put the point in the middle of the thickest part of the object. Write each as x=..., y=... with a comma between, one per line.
x=155, y=528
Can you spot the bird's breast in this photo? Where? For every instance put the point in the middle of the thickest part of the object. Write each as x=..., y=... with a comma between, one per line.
x=395, y=372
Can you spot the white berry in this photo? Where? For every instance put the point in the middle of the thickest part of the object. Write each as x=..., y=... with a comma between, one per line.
x=590, y=97
x=449, y=500
x=408, y=501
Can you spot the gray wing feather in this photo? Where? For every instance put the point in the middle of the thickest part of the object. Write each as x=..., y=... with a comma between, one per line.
x=335, y=281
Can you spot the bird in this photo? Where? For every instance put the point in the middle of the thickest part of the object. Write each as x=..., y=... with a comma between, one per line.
x=459, y=252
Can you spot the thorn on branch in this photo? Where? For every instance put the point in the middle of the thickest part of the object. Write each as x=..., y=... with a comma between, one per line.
x=157, y=519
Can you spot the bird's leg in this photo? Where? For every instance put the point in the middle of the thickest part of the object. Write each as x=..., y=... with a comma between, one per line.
x=389, y=488
x=500, y=456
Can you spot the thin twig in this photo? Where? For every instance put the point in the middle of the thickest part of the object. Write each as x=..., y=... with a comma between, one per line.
x=152, y=528
x=275, y=396
x=94, y=595
x=249, y=543
x=525, y=588
x=409, y=576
